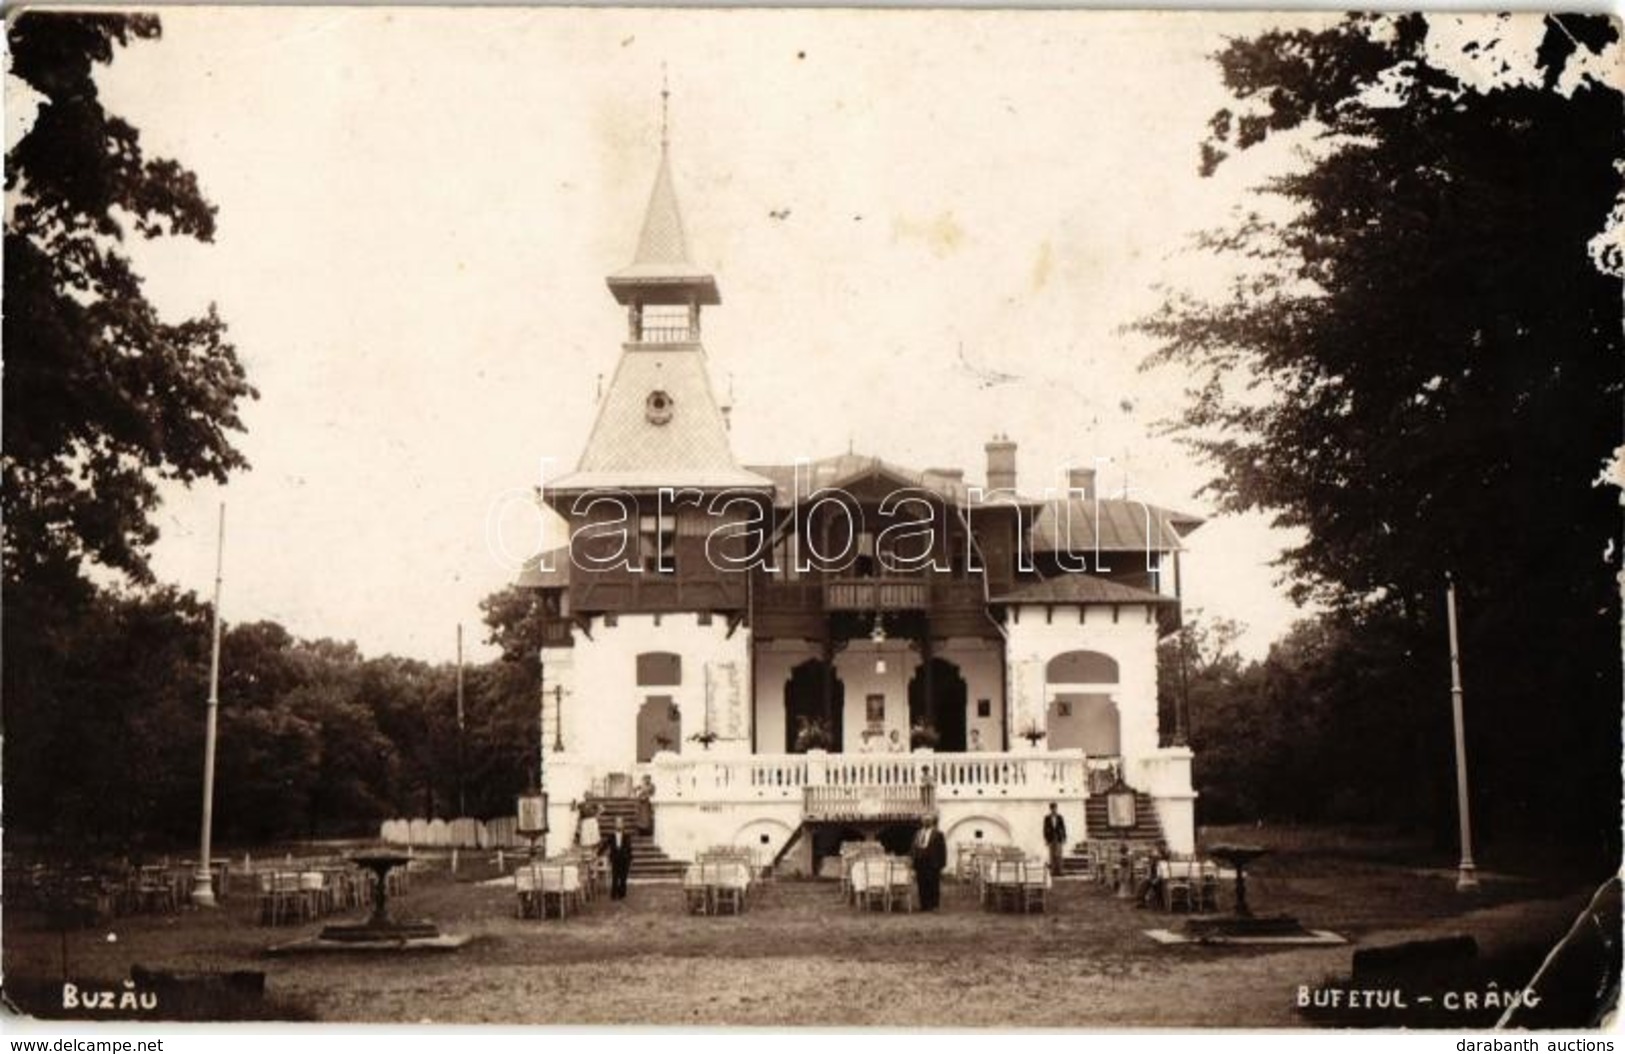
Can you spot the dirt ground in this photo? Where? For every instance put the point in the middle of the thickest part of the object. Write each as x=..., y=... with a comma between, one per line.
x=799, y=956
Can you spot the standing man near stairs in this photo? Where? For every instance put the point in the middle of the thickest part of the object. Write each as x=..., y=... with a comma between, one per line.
x=619, y=843
x=1055, y=838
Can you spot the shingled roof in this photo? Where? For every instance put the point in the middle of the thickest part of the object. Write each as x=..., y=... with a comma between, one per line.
x=1080, y=589
x=662, y=255
x=845, y=469
x=1110, y=525
x=627, y=449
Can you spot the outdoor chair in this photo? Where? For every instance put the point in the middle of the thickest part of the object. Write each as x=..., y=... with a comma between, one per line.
x=730, y=882
x=695, y=898
x=280, y=898
x=1177, y=885
x=317, y=895
x=899, y=884
x=1004, y=882
x=1207, y=886
x=561, y=888
x=155, y=890
x=869, y=883
x=1035, y=885
x=527, y=893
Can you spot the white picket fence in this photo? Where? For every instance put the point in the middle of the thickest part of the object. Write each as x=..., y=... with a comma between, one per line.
x=462, y=833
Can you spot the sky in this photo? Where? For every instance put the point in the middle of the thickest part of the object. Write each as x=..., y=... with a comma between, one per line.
x=927, y=228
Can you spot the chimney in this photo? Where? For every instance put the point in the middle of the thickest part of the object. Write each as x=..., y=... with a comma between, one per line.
x=1001, y=463
x=1081, y=479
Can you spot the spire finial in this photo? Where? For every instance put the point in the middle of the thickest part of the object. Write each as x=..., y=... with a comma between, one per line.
x=665, y=96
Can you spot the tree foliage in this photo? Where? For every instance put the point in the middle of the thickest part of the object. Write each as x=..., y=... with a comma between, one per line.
x=315, y=739
x=102, y=396
x=1420, y=367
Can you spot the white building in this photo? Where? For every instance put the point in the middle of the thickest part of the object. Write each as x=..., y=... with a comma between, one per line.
x=799, y=654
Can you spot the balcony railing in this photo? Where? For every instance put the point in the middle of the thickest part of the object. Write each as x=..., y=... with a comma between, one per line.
x=787, y=777
x=875, y=802
x=814, y=594
x=876, y=594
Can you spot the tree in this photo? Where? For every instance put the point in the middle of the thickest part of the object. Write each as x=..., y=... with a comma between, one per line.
x=102, y=397
x=1420, y=366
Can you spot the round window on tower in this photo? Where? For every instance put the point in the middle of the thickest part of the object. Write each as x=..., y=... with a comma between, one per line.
x=658, y=407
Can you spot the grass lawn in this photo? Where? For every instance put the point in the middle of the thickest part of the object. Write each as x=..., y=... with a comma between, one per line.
x=800, y=957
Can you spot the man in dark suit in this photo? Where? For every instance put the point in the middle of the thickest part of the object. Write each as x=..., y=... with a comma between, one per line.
x=618, y=843
x=1055, y=838
x=930, y=856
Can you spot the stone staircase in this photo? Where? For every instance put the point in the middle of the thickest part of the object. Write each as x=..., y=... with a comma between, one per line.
x=648, y=861
x=1145, y=834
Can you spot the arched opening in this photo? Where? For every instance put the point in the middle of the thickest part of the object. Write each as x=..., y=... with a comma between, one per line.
x=1081, y=667
x=814, y=698
x=1082, y=715
x=659, y=669
x=936, y=697
x=979, y=830
x=1086, y=721
x=660, y=727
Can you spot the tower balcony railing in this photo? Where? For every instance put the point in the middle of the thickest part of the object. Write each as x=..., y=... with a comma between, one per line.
x=668, y=334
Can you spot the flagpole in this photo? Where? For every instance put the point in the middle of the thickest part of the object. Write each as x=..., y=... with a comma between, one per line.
x=1466, y=877
x=462, y=808
x=203, y=876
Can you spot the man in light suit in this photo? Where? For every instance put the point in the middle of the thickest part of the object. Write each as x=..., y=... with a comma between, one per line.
x=929, y=855
x=1055, y=838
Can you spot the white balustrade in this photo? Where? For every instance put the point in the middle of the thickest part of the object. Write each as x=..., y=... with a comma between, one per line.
x=782, y=777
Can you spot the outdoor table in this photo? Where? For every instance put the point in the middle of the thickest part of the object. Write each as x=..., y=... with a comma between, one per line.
x=878, y=880
x=707, y=885
x=1198, y=879
x=1016, y=884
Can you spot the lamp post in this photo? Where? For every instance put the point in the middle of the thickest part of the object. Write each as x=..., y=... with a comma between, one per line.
x=203, y=876
x=1466, y=876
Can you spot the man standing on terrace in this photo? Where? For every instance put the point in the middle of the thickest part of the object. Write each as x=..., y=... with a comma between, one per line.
x=930, y=856
x=1055, y=838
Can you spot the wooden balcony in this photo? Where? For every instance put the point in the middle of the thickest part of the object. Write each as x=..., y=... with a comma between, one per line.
x=797, y=607
x=877, y=594
x=875, y=803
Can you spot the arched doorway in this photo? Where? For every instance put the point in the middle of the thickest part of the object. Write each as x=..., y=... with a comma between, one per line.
x=1082, y=713
x=936, y=696
x=660, y=727
x=807, y=707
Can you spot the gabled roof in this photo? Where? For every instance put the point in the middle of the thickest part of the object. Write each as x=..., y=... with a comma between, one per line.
x=843, y=470
x=1080, y=589
x=1110, y=525
x=662, y=257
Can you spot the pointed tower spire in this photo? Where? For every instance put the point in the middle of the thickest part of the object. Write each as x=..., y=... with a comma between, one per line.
x=661, y=272
x=659, y=422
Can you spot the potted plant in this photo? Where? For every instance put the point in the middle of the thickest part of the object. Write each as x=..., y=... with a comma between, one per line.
x=1032, y=734
x=663, y=742
x=813, y=734
x=705, y=739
